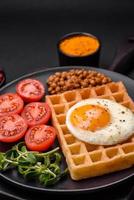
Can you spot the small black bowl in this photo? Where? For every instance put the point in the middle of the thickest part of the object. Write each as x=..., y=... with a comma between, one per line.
x=87, y=60
x=2, y=77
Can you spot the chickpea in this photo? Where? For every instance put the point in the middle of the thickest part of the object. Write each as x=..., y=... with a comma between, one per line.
x=97, y=80
x=70, y=81
x=86, y=84
x=77, y=85
x=57, y=89
x=56, y=79
x=49, y=82
x=104, y=80
x=72, y=71
x=58, y=83
x=71, y=87
x=86, y=81
x=89, y=76
x=67, y=83
x=50, y=89
x=58, y=74
x=79, y=72
x=80, y=76
x=109, y=79
x=77, y=80
x=53, y=92
x=61, y=83
x=63, y=75
x=53, y=85
x=62, y=79
x=73, y=77
x=64, y=88
x=76, y=71
x=92, y=82
x=92, y=78
x=71, y=74
x=82, y=86
x=99, y=74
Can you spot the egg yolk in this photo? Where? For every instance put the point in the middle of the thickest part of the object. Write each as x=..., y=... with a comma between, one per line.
x=90, y=117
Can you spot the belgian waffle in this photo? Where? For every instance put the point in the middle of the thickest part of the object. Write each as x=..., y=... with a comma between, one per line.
x=85, y=160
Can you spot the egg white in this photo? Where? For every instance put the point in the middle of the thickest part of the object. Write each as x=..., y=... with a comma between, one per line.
x=119, y=129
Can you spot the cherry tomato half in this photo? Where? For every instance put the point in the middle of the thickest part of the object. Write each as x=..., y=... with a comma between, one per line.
x=30, y=90
x=10, y=103
x=40, y=137
x=12, y=128
x=36, y=113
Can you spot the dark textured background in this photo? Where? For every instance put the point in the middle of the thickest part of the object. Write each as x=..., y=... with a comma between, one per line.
x=29, y=31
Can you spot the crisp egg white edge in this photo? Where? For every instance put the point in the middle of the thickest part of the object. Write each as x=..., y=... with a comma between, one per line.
x=115, y=132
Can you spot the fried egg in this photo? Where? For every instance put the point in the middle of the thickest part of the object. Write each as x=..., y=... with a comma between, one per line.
x=100, y=121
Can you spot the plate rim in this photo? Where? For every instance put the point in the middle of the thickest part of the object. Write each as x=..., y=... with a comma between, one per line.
x=45, y=189
x=48, y=190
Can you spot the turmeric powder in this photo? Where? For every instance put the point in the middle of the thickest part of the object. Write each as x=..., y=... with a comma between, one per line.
x=79, y=45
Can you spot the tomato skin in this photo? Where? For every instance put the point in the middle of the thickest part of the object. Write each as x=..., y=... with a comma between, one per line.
x=40, y=137
x=27, y=86
x=33, y=113
x=8, y=101
x=13, y=128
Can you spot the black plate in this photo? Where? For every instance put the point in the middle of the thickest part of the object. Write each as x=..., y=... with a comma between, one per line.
x=67, y=185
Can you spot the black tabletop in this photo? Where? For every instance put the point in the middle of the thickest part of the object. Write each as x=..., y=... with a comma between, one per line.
x=29, y=31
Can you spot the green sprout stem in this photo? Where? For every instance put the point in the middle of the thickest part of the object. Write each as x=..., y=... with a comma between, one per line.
x=12, y=162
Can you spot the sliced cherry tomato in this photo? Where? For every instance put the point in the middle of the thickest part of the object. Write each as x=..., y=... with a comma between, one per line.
x=10, y=103
x=40, y=137
x=36, y=113
x=12, y=128
x=30, y=90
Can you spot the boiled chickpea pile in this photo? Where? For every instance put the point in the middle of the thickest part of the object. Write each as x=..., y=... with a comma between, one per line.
x=75, y=79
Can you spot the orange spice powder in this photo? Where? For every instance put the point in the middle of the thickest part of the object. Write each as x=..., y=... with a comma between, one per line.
x=80, y=45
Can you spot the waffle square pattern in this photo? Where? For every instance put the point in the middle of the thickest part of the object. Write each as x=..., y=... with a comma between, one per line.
x=85, y=160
